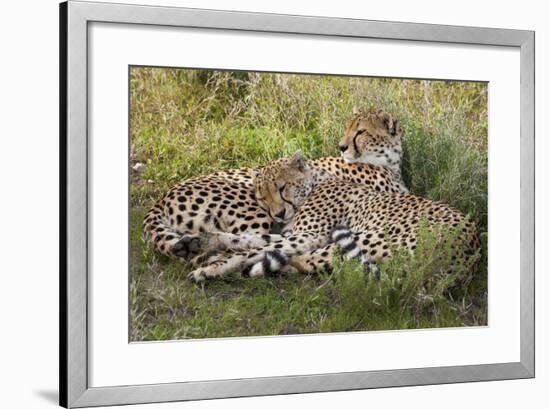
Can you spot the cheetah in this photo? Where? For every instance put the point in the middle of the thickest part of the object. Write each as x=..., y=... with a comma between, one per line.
x=206, y=215
x=317, y=206
x=374, y=137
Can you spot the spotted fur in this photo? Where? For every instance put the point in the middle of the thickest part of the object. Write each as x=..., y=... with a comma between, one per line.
x=315, y=203
x=275, y=262
x=206, y=215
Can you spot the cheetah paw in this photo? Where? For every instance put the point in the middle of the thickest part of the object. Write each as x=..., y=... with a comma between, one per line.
x=187, y=246
x=197, y=276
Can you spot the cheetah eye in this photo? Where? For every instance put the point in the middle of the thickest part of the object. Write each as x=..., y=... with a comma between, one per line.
x=360, y=131
x=282, y=188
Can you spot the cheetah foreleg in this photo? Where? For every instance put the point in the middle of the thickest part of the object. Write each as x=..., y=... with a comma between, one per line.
x=288, y=246
x=198, y=247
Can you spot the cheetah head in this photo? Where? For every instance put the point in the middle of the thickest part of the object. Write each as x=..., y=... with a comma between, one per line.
x=372, y=137
x=282, y=186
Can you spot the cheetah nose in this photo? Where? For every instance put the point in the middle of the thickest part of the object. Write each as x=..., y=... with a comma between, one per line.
x=281, y=214
x=343, y=148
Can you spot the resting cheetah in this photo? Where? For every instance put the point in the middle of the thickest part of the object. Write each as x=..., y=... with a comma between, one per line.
x=374, y=137
x=316, y=204
x=210, y=214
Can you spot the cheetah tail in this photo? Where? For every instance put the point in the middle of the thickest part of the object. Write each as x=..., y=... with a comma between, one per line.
x=159, y=234
x=344, y=239
x=273, y=263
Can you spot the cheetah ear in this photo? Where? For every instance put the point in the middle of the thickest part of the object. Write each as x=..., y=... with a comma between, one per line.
x=392, y=125
x=355, y=110
x=298, y=162
x=396, y=129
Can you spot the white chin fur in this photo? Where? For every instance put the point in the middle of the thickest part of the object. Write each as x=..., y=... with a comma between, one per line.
x=347, y=159
x=374, y=160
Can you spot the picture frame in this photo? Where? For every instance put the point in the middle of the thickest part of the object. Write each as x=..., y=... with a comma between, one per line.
x=75, y=17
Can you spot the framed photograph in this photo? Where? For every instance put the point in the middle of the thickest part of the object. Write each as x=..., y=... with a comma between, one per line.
x=259, y=204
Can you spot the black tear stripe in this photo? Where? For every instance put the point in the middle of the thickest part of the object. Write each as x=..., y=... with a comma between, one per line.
x=286, y=201
x=355, y=144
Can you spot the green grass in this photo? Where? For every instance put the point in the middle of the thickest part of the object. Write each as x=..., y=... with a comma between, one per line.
x=186, y=123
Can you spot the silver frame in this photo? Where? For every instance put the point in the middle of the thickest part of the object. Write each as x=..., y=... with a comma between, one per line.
x=74, y=19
